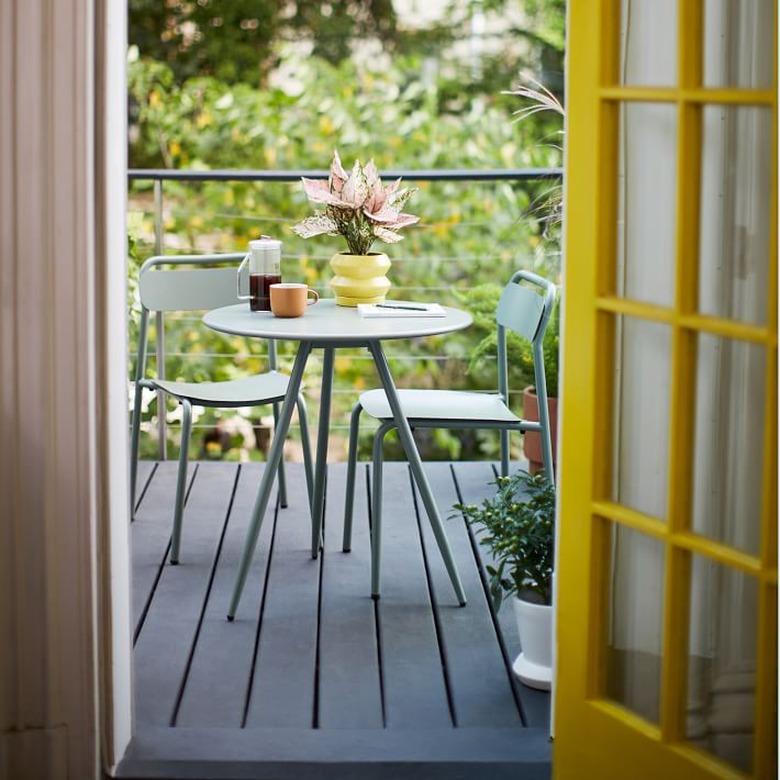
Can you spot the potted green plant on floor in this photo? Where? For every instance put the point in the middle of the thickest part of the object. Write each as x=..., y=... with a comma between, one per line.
x=517, y=525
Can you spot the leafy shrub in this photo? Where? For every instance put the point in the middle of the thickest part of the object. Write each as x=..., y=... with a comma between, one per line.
x=517, y=525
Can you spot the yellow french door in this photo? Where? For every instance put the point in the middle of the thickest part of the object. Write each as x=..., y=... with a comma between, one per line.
x=667, y=554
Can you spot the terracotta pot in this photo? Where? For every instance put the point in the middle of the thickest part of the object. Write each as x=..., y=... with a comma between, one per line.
x=360, y=278
x=532, y=441
x=533, y=667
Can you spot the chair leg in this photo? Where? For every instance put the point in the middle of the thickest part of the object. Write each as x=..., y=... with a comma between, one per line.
x=134, y=437
x=504, y=436
x=303, y=420
x=281, y=473
x=415, y=463
x=349, y=500
x=376, y=507
x=181, y=480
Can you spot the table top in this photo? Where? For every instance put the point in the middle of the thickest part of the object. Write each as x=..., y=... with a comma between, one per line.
x=326, y=323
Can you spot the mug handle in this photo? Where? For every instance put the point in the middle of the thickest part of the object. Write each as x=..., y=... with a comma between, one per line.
x=239, y=294
x=314, y=299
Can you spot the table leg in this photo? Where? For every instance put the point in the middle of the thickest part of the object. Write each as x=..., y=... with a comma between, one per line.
x=271, y=467
x=321, y=463
x=415, y=462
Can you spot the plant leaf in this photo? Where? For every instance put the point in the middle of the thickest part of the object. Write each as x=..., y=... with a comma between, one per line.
x=355, y=190
x=317, y=225
x=387, y=235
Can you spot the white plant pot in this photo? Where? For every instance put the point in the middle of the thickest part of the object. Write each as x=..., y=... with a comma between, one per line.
x=533, y=667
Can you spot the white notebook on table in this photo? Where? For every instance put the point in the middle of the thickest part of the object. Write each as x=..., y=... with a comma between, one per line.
x=401, y=309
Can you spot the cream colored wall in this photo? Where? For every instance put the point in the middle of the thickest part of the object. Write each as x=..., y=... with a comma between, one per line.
x=62, y=444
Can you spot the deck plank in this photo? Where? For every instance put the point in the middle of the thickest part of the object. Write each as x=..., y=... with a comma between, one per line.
x=146, y=469
x=479, y=678
x=284, y=682
x=473, y=480
x=415, y=692
x=151, y=533
x=217, y=685
x=339, y=701
x=339, y=754
x=161, y=652
x=349, y=692
x=474, y=483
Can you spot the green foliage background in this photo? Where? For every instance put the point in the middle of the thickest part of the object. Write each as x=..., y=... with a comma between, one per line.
x=471, y=234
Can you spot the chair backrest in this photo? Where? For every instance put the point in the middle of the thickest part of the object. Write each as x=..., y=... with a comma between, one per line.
x=185, y=283
x=525, y=307
x=180, y=283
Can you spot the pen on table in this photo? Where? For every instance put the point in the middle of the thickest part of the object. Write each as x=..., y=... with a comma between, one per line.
x=399, y=306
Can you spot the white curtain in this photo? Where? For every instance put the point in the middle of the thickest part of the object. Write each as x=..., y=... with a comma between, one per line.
x=62, y=457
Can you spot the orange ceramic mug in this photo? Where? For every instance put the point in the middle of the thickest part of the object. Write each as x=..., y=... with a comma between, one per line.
x=290, y=299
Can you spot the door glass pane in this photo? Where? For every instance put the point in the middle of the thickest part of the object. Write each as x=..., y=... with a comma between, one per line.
x=738, y=43
x=722, y=662
x=647, y=202
x=735, y=223
x=648, y=36
x=729, y=441
x=636, y=621
x=641, y=416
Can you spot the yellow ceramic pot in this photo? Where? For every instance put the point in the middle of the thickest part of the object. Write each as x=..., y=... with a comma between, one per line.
x=360, y=278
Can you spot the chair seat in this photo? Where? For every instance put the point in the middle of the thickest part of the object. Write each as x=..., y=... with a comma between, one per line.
x=439, y=405
x=250, y=391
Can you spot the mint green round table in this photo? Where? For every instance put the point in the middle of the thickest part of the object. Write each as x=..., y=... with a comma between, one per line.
x=327, y=326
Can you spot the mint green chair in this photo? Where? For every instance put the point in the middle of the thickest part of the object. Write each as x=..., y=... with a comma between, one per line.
x=179, y=283
x=525, y=307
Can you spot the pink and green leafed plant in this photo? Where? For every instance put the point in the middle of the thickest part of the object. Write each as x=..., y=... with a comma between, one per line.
x=357, y=206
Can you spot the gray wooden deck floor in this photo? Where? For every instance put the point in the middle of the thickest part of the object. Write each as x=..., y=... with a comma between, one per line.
x=314, y=678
